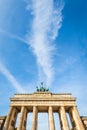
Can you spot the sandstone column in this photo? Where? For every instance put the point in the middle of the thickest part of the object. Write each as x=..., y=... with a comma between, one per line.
x=23, y=118
x=75, y=118
x=51, y=119
x=63, y=119
x=11, y=119
x=34, y=119
x=7, y=122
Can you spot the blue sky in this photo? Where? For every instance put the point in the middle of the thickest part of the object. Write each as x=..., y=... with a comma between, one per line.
x=43, y=41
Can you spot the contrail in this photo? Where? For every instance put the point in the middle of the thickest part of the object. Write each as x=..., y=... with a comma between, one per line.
x=47, y=20
x=2, y=31
x=11, y=78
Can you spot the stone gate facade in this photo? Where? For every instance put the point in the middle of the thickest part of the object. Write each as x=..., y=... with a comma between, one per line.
x=43, y=102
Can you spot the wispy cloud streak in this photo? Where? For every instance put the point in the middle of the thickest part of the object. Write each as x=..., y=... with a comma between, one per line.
x=47, y=18
x=14, y=36
x=11, y=78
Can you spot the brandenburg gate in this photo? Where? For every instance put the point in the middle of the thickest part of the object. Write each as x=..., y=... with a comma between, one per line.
x=39, y=102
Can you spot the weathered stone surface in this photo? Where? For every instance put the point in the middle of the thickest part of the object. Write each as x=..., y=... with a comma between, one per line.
x=43, y=102
x=43, y=99
x=51, y=118
x=84, y=120
x=2, y=120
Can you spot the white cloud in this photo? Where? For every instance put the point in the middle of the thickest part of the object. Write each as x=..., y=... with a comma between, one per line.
x=46, y=23
x=47, y=19
x=11, y=78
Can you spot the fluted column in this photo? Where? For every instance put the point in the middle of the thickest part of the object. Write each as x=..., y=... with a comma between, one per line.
x=75, y=118
x=11, y=119
x=51, y=118
x=63, y=119
x=7, y=122
x=22, y=119
x=34, y=119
